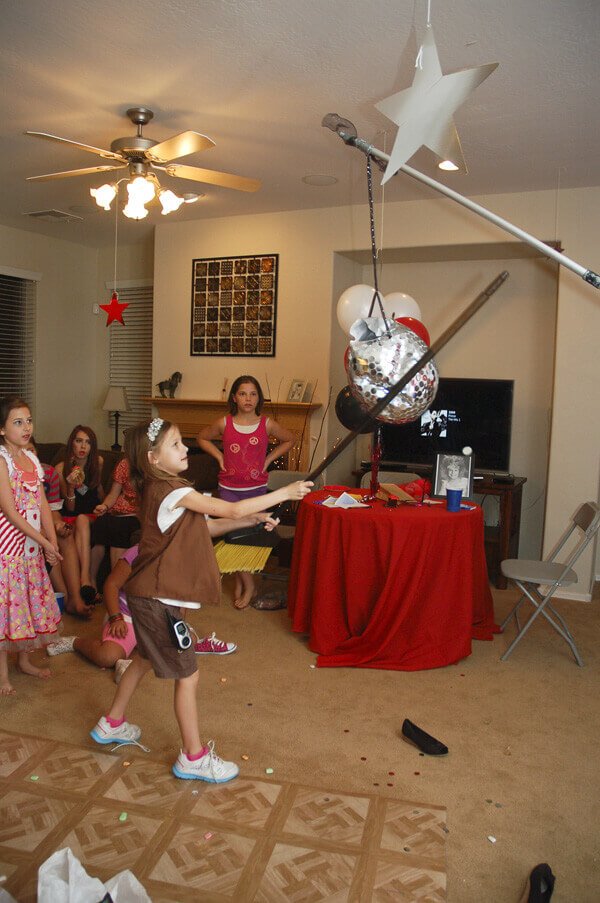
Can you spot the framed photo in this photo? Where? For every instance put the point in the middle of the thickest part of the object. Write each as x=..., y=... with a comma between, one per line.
x=234, y=306
x=297, y=389
x=454, y=472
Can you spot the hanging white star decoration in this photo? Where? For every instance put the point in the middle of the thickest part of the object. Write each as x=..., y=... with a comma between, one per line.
x=423, y=112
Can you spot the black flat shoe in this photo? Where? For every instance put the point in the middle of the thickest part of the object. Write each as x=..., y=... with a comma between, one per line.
x=427, y=744
x=540, y=884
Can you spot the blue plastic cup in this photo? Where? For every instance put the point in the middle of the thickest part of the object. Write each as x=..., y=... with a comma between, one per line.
x=453, y=499
x=60, y=601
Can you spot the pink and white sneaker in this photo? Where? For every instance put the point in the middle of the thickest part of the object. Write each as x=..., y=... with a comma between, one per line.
x=210, y=645
x=210, y=767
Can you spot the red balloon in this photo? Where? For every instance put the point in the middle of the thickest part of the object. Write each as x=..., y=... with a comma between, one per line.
x=417, y=327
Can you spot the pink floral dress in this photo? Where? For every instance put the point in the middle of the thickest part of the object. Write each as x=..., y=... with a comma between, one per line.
x=29, y=613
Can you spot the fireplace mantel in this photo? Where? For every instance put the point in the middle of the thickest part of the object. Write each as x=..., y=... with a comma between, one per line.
x=192, y=414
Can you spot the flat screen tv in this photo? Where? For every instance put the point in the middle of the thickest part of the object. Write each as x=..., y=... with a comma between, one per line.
x=475, y=412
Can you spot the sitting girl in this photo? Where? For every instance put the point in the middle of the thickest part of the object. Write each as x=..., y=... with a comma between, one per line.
x=116, y=519
x=118, y=636
x=65, y=574
x=81, y=489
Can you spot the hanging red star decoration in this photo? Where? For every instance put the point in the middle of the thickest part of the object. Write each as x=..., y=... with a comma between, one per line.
x=115, y=310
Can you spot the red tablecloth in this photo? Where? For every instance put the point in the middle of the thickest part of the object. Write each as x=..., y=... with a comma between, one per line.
x=403, y=588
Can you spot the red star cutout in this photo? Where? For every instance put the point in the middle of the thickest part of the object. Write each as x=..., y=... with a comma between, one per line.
x=115, y=310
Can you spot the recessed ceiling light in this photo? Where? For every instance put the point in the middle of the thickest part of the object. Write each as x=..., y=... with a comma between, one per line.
x=319, y=179
x=448, y=165
x=190, y=197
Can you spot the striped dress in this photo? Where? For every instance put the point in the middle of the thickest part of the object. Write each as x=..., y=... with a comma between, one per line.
x=29, y=614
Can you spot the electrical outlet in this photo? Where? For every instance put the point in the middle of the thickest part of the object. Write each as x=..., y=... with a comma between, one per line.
x=95, y=308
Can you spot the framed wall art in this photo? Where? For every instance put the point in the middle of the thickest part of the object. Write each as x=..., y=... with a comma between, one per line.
x=234, y=306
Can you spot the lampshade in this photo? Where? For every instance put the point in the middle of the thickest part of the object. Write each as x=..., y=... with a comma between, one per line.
x=104, y=195
x=169, y=201
x=141, y=190
x=134, y=211
x=116, y=399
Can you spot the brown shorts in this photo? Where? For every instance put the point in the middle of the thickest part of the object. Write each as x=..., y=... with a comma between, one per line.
x=154, y=641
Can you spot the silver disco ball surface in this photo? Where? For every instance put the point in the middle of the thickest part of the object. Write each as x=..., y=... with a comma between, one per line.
x=377, y=361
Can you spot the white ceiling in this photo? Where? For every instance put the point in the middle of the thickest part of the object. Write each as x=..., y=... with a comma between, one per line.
x=257, y=76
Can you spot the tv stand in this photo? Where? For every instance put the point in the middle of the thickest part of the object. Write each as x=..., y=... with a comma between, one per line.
x=501, y=540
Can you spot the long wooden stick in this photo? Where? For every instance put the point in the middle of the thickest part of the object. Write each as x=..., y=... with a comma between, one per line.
x=437, y=346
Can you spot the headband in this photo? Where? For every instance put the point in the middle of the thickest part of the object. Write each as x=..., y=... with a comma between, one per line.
x=154, y=429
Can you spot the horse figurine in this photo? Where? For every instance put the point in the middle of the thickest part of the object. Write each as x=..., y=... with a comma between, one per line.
x=169, y=385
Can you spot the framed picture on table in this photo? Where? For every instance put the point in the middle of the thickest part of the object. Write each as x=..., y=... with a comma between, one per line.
x=297, y=389
x=455, y=472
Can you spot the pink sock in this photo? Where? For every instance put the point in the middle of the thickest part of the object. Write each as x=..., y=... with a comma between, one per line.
x=199, y=755
x=113, y=721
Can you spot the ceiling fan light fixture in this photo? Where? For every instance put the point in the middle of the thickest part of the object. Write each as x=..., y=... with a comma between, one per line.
x=169, y=201
x=133, y=210
x=141, y=190
x=104, y=195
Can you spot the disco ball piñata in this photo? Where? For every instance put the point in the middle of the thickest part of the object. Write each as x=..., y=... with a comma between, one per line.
x=377, y=361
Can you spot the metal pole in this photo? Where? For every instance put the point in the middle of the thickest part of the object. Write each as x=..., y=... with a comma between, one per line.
x=587, y=275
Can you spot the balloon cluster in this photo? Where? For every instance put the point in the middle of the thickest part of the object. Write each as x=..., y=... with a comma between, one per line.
x=380, y=353
x=355, y=303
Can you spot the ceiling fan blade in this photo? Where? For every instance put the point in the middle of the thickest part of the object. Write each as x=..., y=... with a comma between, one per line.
x=179, y=146
x=86, y=147
x=73, y=172
x=224, y=179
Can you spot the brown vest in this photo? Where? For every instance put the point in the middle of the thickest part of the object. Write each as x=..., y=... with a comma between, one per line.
x=179, y=563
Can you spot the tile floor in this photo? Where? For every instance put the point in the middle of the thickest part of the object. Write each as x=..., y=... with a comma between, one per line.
x=256, y=839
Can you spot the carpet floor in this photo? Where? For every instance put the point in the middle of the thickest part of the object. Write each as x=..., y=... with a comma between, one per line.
x=347, y=801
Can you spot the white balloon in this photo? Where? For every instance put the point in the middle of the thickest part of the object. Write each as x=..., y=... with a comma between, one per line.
x=354, y=304
x=399, y=304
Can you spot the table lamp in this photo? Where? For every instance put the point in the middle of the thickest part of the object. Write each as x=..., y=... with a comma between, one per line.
x=116, y=401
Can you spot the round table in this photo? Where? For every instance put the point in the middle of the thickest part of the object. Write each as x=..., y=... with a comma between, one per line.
x=402, y=588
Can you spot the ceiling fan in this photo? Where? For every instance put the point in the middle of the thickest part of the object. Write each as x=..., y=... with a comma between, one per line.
x=142, y=156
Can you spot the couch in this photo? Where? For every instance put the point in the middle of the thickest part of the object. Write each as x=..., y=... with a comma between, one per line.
x=202, y=471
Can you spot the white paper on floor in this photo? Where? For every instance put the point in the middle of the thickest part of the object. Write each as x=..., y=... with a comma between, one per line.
x=63, y=879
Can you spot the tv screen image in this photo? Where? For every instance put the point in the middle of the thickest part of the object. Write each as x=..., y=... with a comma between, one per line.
x=465, y=412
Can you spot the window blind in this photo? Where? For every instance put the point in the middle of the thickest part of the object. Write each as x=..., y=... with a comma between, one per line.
x=131, y=354
x=17, y=337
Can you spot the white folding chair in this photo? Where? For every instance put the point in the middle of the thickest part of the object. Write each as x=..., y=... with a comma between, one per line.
x=552, y=574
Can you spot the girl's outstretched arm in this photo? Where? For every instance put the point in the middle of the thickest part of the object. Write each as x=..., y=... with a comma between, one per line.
x=204, y=504
x=7, y=504
x=205, y=439
x=221, y=525
x=286, y=441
